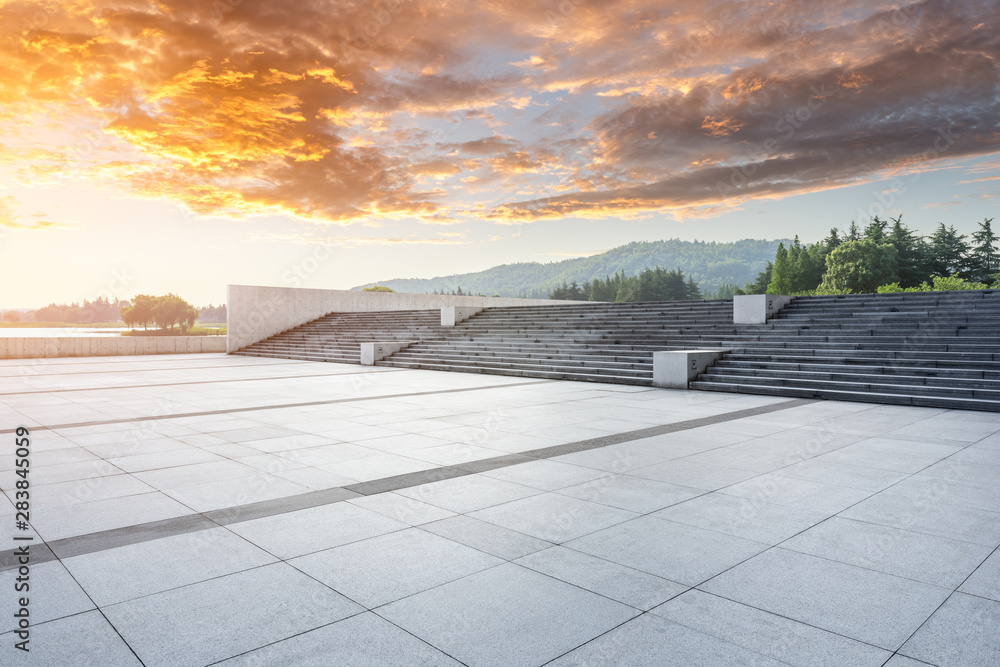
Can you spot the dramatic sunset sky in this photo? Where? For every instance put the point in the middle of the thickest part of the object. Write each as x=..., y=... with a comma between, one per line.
x=181, y=145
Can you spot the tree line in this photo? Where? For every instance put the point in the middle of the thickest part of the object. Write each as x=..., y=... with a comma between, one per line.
x=140, y=310
x=884, y=256
x=655, y=284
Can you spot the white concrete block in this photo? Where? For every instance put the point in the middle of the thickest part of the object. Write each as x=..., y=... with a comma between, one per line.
x=452, y=315
x=372, y=352
x=757, y=308
x=675, y=369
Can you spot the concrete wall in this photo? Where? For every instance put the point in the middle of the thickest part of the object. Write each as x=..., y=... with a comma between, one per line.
x=107, y=346
x=757, y=308
x=256, y=313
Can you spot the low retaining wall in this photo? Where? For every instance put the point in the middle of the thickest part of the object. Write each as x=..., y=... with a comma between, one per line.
x=256, y=312
x=107, y=346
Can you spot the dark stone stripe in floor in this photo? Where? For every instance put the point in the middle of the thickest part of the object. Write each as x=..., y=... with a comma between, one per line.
x=332, y=401
x=110, y=539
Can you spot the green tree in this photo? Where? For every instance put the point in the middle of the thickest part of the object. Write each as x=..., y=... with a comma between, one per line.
x=911, y=253
x=140, y=311
x=833, y=239
x=948, y=252
x=781, y=273
x=378, y=288
x=875, y=230
x=859, y=267
x=853, y=233
x=11, y=316
x=985, y=261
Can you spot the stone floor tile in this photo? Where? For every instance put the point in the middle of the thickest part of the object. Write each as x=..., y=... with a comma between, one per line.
x=506, y=616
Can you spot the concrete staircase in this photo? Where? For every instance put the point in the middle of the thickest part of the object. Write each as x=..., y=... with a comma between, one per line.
x=593, y=342
x=337, y=337
x=937, y=349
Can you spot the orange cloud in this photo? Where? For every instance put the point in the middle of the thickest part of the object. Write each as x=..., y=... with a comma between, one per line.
x=342, y=112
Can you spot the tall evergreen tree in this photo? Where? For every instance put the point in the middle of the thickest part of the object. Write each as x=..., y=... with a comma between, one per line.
x=985, y=261
x=948, y=251
x=780, y=273
x=876, y=229
x=833, y=239
x=911, y=254
x=853, y=233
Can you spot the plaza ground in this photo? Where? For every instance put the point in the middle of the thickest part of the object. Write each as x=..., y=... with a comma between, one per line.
x=211, y=509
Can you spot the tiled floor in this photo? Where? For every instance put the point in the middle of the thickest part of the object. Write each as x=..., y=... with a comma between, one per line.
x=205, y=509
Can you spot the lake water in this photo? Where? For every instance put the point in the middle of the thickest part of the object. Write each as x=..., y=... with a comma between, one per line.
x=60, y=332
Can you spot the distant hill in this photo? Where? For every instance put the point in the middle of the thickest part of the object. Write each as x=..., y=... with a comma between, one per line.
x=711, y=265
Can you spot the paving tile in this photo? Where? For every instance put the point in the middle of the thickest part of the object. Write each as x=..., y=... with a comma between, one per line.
x=496, y=540
x=83, y=518
x=927, y=558
x=454, y=453
x=197, y=473
x=546, y=475
x=652, y=640
x=199, y=624
x=899, y=660
x=797, y=493
x=52, y=593
x=329, y=453
x=507, y=615
x=382, y=569
x=858, y=477
x=930, y=513
x=865, y=605
x=956, y=430
x=780, y=638
x=72, y=492
x=314, y=478
x=378, y=466
x=636, y=494
x=908, y=456
x=696, y=475
x=624, y=584
x=83, y=640
x=255, y=433
x=68, y=472
x=685, y=554
x=365, y=640
x=468, y=493
x=962, y=633
x=401, y=508
x=160, y=565
x=177, y=457
x=256, y=487
x=985, y=581
x=304, y=531
x=742, y=517
x=553, y=517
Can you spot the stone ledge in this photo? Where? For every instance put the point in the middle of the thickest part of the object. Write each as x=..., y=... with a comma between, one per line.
x=372, y=352
x=674, y=369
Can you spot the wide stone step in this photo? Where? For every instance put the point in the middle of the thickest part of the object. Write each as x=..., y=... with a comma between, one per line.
x=864, y=397
x=529, y=373
x=540, y=364
x=886, y=387
x=916, y=369
x=493, y=359
x=845, y=375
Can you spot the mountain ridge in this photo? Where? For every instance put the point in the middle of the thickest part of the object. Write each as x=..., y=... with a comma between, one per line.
x=710, y=263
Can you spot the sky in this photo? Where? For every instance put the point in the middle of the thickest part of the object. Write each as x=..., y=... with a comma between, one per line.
x=183, y=145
